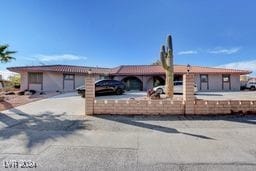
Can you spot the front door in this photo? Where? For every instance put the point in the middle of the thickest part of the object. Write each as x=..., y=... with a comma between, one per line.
x=226, y=82
x=204, y=84
x=68, y=82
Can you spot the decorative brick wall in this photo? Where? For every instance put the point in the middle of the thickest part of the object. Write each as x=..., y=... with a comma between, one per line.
x=189, y=105
x=225, y=107
x=188, y=93
x=89, y=94
x=133, y=107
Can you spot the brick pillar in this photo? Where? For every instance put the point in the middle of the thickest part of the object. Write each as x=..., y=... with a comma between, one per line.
x=89, y=94
x=188, y=93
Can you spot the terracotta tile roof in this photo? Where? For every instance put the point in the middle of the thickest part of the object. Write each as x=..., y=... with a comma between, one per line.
x=178, y=69
x=60, y=68
x=128, y=69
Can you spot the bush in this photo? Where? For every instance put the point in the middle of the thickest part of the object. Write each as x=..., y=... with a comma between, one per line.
x=243, y=87
x=10, y=93
x=27, y=92
x=32, y=91
x=14, y=81
x=21, y=93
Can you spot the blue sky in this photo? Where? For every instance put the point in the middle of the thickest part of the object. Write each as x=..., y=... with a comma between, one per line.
x=114, y=32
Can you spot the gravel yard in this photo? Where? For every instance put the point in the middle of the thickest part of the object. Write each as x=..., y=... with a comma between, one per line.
x=11, y=101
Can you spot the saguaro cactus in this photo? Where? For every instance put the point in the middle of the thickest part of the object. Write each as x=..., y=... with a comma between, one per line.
x=166, y=57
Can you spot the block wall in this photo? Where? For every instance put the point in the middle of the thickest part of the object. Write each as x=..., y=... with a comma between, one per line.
x=134, y=107
x=89, y=94
x=169, y=107
x=188, y=93
x=225, y=107
x=188, y=106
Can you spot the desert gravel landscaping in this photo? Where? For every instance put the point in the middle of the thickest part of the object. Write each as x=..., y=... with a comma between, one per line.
x=11, y=101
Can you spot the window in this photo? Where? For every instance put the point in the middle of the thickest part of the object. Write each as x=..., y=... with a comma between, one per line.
x=204, y=78
x=35, y=78
x=102, y=83
x=226, y=78
x=69, y=76
x=103, y=77
x=178, y=83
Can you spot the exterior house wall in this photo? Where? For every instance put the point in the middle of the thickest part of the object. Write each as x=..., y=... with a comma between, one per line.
x=23, y=81
x=52, y=81
x=215, y=82
x=235, y=82
x=37, y=87
x=197, y=81
x=148, y=83
x=79, y=80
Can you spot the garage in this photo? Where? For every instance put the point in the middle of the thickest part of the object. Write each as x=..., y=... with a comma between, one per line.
x=133, y=83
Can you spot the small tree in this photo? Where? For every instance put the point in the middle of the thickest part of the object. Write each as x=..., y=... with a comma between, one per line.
x=14, y=80
x=5, y=54
x=157, y=62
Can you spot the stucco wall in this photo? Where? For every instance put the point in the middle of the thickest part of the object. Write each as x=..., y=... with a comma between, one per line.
x=235, y=82
x=79, y=80
x=37, y=87
x=23, y=81
x=52, y=81
x=215, y=82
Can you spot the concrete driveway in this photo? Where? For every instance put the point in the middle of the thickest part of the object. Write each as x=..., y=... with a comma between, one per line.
x=58, y=138
x=65, y=104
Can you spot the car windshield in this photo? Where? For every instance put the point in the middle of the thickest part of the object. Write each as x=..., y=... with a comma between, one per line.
x=98, y=81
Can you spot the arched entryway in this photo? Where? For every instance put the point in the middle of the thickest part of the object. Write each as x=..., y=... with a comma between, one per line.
x=132, y=83
x=154, y=81
x=157, y=81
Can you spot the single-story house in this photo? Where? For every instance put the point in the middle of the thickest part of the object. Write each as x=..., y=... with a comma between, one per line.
x=136, y=77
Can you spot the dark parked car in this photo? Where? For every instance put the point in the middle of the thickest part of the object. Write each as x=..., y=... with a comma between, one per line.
x=104, y=87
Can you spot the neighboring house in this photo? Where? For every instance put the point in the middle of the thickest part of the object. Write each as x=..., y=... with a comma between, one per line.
x=3, y=82
x=136, y=77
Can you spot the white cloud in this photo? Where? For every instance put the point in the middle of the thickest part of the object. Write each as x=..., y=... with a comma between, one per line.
x=246, y=65
x=5, y=74
x=224, y=50
x=41, y=58
x=61, y=57
x=188, y=52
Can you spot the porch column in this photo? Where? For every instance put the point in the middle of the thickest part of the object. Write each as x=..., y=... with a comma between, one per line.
x=89, y=93
x=188, y=93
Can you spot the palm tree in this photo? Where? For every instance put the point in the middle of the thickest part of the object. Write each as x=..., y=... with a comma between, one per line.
x=5, y=55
